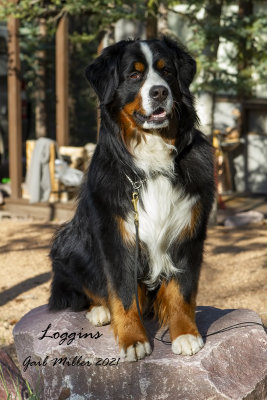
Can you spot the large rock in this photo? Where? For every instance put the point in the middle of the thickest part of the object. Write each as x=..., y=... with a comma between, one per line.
x=232, y=364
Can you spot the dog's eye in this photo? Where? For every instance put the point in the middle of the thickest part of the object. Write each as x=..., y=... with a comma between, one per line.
x=135, y=75
x=166, y=72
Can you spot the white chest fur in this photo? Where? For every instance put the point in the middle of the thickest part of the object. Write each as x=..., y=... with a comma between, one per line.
x=166, y=211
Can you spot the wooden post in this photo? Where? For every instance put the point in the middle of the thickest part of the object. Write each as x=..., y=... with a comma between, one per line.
x=62, y=92
x=14, y=109
x=151, y=19
x=40, y=94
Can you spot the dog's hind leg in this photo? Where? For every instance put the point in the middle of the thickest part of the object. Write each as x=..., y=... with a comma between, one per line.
x=64, y=292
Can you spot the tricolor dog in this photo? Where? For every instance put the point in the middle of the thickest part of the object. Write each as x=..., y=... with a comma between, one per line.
x=149, y=145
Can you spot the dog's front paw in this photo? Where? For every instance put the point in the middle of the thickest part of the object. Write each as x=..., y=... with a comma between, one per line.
x=136, y=351
x=187, y=344
x=98, y=315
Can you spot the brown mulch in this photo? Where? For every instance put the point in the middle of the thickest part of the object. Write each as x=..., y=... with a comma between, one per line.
x=234, y=273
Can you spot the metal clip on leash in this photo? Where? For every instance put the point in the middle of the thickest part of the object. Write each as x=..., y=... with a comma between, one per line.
x=135, y=199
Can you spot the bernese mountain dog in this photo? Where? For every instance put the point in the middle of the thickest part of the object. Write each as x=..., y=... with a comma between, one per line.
x=149, y=148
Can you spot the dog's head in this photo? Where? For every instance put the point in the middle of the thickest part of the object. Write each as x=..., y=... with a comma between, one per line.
x=144, y=84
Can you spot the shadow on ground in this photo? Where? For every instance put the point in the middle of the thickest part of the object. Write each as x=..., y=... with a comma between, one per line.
x=11, y=293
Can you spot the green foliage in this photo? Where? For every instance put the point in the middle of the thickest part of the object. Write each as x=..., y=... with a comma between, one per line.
x=104, y=12
x=245, y=40
x=31, y=395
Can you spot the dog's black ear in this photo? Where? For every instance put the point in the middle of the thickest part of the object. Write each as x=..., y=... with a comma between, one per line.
x=185, y=64
x=103, y=73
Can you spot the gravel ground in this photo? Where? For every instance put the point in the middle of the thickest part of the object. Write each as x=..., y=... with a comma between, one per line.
x=234, y=273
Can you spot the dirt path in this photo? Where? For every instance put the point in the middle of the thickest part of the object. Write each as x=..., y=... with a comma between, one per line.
x=234, y=273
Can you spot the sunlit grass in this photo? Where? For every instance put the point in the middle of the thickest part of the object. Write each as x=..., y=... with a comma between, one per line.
x=17, y=395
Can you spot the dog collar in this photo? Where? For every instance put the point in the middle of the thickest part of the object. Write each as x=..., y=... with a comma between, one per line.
x=137, y=184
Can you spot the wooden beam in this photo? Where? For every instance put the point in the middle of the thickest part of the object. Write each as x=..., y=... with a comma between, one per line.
x=14, y=109
x=62, y=92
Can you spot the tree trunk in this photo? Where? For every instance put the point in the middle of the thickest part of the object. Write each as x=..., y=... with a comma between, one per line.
x=151, y=19
x=245, y=9
x=213, y=13
x=40, y=96
x=14, y=109
x=62, y=82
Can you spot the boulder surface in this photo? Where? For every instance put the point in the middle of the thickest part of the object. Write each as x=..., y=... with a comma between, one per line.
x=64, y=357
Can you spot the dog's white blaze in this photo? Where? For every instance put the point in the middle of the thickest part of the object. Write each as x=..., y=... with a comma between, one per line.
x=153, y=79
x=166, y=209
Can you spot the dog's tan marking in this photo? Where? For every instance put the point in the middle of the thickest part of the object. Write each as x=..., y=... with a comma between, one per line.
x=96, y=300
x=160, y=63
x=173, y=310
x=189, y=231
x=168, y=140
x=139, y=67
x=129, y=129
x=126, y=236
x=126, y=323
x=134, y=106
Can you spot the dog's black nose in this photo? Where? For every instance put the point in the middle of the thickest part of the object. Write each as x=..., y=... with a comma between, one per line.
x=158, y=93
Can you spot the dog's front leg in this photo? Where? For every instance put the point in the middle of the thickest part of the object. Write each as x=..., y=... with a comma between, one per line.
x=179, y=314
x=128, y=328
